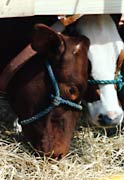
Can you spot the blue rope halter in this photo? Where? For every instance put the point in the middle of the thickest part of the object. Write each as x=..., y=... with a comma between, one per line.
x=56, y=100
x=118, y=81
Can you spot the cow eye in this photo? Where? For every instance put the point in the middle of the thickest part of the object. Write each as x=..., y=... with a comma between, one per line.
x=73, y=93
x=72, y=90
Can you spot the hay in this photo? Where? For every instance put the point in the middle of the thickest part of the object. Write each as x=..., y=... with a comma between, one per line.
x=89, y=158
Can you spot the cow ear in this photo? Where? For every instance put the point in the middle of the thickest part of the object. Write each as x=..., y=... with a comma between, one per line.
x=45, y=39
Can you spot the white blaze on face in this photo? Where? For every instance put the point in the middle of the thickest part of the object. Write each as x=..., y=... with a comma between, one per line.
x=108, y=103
x=109, y=99
x=105, y=48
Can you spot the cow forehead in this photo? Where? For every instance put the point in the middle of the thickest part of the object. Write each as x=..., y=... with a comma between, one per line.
x=105, y=57
x=99, y=28
x=106, y=44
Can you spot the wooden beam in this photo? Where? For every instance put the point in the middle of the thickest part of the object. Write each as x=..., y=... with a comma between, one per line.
x=79, y=6
x=17, y=8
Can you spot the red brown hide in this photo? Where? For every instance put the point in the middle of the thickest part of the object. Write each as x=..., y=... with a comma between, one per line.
x=30, y=88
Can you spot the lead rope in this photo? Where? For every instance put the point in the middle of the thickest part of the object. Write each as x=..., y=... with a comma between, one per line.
x=56, y=99
x=118, y=77
x=118, y=81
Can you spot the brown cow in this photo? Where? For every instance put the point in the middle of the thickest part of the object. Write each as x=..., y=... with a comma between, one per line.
x=30, y=89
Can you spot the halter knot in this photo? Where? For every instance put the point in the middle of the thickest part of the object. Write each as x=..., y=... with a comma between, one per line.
x=56, y=100
x=120, y=82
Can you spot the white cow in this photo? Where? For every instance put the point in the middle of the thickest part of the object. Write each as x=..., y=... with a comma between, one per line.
x=105, y=48
x=106, y=45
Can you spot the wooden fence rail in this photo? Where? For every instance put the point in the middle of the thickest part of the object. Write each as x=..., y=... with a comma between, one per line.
x=17, y=8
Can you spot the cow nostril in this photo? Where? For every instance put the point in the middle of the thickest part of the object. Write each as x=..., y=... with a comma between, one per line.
x=104, y=120
x=60, y=156
x=101, y=116
x=57, y=156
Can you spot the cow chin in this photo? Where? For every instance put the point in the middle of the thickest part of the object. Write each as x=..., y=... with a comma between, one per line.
x=52, y=137
x=55, y=148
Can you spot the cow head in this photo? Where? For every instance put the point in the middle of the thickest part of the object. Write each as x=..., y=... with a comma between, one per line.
x=105, y=48
x=31, y=87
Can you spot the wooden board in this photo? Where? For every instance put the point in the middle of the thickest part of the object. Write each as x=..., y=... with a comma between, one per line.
x=17, y=8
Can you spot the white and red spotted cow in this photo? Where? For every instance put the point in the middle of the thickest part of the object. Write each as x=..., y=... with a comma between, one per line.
x=104, y=51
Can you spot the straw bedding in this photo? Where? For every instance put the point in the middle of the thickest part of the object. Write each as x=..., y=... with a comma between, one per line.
x=92, y=155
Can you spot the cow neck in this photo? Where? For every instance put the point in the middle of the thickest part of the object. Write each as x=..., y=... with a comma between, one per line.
x=14, y=65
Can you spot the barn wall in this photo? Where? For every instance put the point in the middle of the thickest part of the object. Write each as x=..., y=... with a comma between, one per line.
x=17, y=8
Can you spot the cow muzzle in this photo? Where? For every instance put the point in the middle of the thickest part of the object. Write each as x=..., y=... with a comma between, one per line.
x=108, y=121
